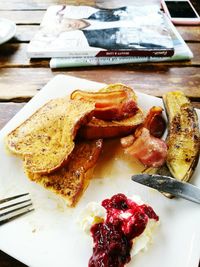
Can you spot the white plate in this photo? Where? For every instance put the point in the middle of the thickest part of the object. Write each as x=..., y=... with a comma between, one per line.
x=50, y=236
x=7, y=30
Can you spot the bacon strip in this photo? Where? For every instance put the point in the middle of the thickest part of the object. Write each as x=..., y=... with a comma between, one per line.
x=149, y=150
x=154, y=122
x=101, y=99
x=114, y=105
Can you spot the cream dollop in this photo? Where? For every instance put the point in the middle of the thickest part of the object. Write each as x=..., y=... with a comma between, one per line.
x=91, y=214
x=95, y=213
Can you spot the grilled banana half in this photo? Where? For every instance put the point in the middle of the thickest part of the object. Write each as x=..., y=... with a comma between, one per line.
x=183, y=138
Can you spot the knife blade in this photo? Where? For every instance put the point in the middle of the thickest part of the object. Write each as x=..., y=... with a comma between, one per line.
x=169, y=185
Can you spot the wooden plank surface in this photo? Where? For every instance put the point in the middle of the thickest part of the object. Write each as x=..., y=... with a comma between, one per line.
x=189, y=33
x=14, y=55
x=23, y=17
x=38, y=4
x=42, y=5
x=154, y=81
x=7, y=261
x=10, y=109
x=24, y=33
x=21, y=79
x=34, y=18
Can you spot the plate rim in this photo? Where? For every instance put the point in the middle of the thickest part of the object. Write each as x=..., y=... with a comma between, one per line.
x=22, y=110
x=10, y=34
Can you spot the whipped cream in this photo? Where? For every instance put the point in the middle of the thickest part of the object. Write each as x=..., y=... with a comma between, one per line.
x=91, y=214
x=94, y=213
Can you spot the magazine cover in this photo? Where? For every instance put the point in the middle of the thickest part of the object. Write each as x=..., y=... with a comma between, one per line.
x=87, y=31
x=181, y=52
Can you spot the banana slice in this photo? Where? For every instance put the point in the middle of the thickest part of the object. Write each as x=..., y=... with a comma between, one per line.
x=183, y=138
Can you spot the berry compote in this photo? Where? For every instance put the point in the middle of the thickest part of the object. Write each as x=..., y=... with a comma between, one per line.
x=112, y=238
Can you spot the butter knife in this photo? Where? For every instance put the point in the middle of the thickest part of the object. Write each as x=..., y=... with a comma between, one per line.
x=169, y=185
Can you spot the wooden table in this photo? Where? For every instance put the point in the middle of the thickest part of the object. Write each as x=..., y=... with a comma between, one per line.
x=21, y=79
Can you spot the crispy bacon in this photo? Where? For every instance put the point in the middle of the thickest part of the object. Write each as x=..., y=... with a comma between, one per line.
x=101, y=99
x=149, y=150
x=114, y=105
x=154, y=122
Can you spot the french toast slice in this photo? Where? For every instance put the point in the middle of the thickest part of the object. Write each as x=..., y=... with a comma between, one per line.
x=45, y=140
x=70, y=181
x=97, y=128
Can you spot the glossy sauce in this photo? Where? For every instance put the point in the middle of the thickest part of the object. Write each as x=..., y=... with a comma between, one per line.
x=111, y=160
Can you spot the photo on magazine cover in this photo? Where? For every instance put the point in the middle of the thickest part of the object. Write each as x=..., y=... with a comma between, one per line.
x=84, y=30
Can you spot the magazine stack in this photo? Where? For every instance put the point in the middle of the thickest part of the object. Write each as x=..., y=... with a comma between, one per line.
x=85, y=36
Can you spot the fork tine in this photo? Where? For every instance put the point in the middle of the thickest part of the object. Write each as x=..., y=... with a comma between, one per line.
x=15, y=217
x=18, y=211
x=11, y=211
x=15, y=204
x=11, y=198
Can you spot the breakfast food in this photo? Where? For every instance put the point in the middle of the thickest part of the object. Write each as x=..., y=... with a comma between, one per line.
x=70, y=181
x=109, y=129
x=145, y=144
x=183, y=135
x=46, y=139
x=115, y=116
x=120, y=228
x=149, y=150
x=111, y=103
x=154, y=122
x=54, y=155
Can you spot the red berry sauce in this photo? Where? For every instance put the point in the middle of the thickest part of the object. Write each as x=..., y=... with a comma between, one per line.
x=113, y=237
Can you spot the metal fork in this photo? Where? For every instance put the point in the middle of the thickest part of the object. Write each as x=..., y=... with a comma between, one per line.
x=8, y=213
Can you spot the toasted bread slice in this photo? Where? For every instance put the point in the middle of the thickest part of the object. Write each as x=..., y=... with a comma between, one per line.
x=97, y=128
x=70, y=181
x=104, y=129
x=45, y=140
